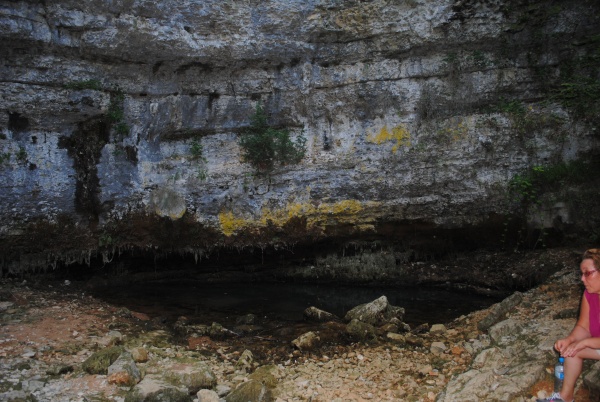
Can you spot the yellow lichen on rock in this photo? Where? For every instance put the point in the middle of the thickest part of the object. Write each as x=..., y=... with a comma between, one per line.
x=345, y=211
x=398, y=133
x=345, y=207
x=229, y=223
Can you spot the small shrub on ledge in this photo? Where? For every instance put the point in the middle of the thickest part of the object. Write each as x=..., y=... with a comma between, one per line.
x=263, y=147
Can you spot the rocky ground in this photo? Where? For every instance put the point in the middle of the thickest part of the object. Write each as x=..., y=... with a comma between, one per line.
x=50, y=329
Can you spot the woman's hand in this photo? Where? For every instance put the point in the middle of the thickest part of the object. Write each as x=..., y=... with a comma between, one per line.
x=561, y=345
x=572, y=349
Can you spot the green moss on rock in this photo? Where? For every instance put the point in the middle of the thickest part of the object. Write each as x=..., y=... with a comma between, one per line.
x=99, y=362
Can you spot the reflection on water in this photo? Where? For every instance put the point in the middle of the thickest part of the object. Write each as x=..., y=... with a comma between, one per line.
x=287, y=301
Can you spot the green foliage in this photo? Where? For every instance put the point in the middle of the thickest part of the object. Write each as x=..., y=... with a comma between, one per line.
x=116, y=113
x=578, y=86
x=4, y=157
x=21, y=154
x=580, y=94
x=115, y=109
x=526, y=188
x=527, y=119
x=106, y=240
x=522, y=189
x=87, y=84
x=513, y=107
x=479, y=59
x=202, y=174
x=122, y=129
x=264, y=146
x=451, y=59
x=197, y=150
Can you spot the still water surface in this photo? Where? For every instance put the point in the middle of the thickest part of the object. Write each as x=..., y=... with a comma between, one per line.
x=287, y=301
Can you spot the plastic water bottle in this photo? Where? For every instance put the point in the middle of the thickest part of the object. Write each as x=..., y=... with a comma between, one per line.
x=559, y=374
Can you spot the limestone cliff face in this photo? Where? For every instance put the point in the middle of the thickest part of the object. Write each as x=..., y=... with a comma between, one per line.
x=413, y=111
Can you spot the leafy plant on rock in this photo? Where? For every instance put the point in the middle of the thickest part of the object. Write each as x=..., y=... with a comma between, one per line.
x=263, y=146
x=116, y=112
x=526, y=190
x=22, y=154
x=197, y=152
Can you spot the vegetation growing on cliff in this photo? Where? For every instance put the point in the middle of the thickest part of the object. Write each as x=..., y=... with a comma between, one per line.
x=197, y=154
x=530, y=190
x=263, y=146
x=116, y=112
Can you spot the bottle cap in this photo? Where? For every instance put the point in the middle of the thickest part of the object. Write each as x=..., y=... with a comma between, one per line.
x=561, y=359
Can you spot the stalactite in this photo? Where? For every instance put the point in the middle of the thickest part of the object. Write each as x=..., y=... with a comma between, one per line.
x=106, y=259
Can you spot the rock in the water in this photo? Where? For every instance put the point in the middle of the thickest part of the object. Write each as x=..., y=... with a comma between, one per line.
x=377, y=312
x=317, y=315
x=248, y=319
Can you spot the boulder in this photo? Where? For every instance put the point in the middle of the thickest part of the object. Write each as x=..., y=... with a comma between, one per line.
x=437, y=348
x=377, y=313
x=206, y=395
x=155, y=389
x=498, y=311
x=307, y=341
x=192, y=376
x=124, y=371
x=361, y=331
x=252, y=390
x=266, y=375
x=99, y=362
x=397, y=338
x=421, y=329
x=245, y=361
x=112, y=338
x=139, y=354
x=248, y=319
x=504, y=331
x=317, y=315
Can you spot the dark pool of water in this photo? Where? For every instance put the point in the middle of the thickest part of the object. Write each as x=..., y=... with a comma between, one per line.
x=287, y=301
